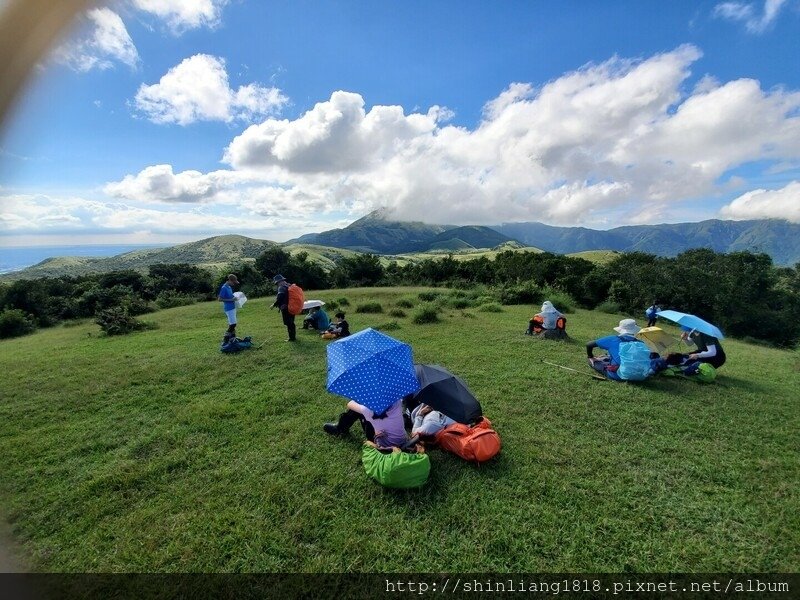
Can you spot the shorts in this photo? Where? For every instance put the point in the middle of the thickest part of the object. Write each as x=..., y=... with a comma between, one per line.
x=231, y=314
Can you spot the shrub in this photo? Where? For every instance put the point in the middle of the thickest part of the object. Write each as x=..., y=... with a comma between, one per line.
x=117, y=321
x=426, y=313
x=14, y=323
x=609, y=307
x=390, y=326
x=342, y=302
x=490, y=307
x=405, y=303
x=171, y=299
x=523, y=293
x=369, y=307
x=397, y=312
x=460, y=302
x=332, y=305
x=134, y=305
x=562, y=301
x=429, y=296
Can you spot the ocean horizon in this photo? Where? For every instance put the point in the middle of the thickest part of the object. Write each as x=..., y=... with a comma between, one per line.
x=20, y=257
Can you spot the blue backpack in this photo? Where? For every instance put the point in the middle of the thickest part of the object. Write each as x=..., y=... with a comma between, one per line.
x=634, y=361
x=235, y=345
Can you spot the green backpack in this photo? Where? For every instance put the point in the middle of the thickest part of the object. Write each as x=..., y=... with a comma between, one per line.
x=706, y=373
x=701, y=373
x=396, y=469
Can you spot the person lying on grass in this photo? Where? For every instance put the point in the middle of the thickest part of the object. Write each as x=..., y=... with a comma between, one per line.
x=426, y=422
x=385, y=429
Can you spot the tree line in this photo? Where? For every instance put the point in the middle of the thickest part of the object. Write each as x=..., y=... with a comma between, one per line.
x=741, y=292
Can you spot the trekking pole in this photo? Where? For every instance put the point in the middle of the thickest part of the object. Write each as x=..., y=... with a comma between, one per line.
x=592, y=375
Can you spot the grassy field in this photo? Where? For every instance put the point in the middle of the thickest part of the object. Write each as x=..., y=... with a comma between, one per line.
x=155, y=452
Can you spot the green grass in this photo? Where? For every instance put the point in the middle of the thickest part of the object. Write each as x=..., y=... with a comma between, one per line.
x=155, y=452
x=599, y=257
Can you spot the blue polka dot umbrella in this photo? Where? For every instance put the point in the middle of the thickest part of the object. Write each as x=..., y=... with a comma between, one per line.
x=371, y=368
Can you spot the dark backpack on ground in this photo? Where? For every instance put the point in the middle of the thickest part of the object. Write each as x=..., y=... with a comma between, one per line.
x=236, y=345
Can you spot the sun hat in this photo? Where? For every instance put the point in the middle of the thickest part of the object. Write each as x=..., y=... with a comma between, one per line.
x=278, y=278
x=232, y=277
x=547, y=307
x=627, y=327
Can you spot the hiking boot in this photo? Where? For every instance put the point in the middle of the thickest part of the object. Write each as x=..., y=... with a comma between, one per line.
x=332, y=429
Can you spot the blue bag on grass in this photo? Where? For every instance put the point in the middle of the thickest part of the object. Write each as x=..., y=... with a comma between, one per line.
x=634, y=361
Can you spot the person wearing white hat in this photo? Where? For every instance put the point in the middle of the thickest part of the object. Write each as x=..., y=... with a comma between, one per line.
x=608, y=365
x=546, y=320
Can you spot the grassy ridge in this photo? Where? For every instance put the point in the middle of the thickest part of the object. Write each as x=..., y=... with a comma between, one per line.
x=155, y=452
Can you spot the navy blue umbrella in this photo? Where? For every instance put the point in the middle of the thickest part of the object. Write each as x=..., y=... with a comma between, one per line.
x=371, y=368
x=447, y=393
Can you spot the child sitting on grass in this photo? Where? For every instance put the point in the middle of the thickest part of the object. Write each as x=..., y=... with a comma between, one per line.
x=339, y=329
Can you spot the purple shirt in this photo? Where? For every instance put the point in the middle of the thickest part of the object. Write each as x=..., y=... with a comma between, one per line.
x=390, y=431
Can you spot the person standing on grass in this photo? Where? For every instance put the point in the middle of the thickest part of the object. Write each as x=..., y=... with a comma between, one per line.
x=652, y=314
x=282, y=304
x=229, y=305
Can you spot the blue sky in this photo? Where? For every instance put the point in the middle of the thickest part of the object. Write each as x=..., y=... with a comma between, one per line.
x=173, y=120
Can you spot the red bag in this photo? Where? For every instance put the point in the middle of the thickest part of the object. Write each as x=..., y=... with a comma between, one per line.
x=296, y=300
x=478, y=443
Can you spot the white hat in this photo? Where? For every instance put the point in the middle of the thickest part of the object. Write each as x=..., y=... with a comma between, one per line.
x=627, y=327
x=547, y=307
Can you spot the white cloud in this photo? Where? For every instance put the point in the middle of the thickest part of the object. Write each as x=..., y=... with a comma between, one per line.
x=746, y=13
x=198, y=90
x=158, y=183
x=106, y=42
x=40, y=214
x=607, y=144
x=766, y=204
x=181, y=15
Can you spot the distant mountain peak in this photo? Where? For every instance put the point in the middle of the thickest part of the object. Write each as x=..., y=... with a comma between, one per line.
x=384, y=213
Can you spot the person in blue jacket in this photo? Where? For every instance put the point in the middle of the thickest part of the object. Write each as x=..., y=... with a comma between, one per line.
x=317, y=319
x=229, y=305
x=608, y=365
x=652, y=314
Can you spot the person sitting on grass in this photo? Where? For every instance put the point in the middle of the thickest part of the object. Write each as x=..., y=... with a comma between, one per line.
x=709, y=350
x=609, y=364
x=338, y=329
x=548, y=323
x=317, y=319
x=385, y=429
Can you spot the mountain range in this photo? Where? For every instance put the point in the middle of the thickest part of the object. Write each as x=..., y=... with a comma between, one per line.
x=378, y=233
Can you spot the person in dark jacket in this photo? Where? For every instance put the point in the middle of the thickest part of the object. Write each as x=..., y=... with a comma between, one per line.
x=282, y=303
x=709, y=350
x=338, y=329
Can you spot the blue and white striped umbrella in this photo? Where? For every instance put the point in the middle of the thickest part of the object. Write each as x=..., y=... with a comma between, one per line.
x=371, y=368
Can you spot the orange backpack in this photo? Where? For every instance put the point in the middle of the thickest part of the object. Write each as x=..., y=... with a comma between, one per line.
x=478, y=443
x=296, y=300
x=538, y=324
